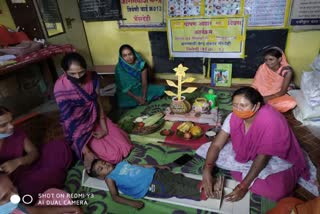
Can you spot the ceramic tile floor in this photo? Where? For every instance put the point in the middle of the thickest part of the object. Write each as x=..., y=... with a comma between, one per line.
x=310, y=144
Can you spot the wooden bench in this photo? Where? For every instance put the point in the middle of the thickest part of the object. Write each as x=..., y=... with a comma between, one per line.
x=107, y=74
x=104, y=69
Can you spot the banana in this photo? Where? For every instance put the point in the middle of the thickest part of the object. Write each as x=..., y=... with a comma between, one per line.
x=185, y=126
x=182, y=127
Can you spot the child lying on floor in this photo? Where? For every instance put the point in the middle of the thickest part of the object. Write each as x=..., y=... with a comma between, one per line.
x=138, y=181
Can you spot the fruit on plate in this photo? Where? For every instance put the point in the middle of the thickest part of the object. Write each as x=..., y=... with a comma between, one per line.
x=187, y=135
x=166, y=132
x=140, y=124
x=185, y=127
x=196, y=131
x=153, y=119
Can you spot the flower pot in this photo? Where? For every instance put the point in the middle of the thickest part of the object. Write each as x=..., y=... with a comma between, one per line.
x=180, y=106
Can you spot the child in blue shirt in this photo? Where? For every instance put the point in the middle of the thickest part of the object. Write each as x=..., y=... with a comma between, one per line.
x=138, y=181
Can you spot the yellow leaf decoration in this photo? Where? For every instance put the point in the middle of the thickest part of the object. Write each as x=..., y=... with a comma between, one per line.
x=180, y=70
x=170, y=93
x=189, y=90
x=171, y=83
x=180, y=73
x=189, y=79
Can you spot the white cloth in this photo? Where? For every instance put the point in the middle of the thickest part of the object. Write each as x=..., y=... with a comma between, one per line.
x=310, y=87
x=304, y=111
x=226, y=160
x=226, y=124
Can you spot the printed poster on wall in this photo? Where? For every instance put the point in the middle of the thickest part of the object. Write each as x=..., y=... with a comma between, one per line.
x=266, y=13
x=222, y=7
x=178, y=8
x=221, y=37
x=305, y=14
x=142, y=13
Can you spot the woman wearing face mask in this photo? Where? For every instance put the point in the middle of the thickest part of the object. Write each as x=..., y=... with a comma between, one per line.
x=131, y=79
x=273, y=78
x=31, y=171
x=258, y=132
x=85, y=125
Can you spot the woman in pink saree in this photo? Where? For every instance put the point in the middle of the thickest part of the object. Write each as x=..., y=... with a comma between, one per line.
x=258, y=133
x=31, y=169
x=85, y=125
x=273, y=78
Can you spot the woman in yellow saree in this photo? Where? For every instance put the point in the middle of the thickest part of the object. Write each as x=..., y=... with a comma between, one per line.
x=273, y=78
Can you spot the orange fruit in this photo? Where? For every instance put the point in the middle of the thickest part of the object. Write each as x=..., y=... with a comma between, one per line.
x=196, y=131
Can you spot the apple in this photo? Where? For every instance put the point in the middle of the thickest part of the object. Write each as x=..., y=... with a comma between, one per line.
x=140, y=124
x=187, y=135
x=166, y=132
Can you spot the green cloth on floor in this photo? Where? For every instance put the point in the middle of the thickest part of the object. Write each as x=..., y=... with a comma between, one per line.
x=149, y=151
x=101, y=201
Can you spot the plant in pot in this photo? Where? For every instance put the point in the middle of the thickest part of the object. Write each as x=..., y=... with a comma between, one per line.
x=179, y=104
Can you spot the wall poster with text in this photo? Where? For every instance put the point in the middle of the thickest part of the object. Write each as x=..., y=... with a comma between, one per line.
x=305, y=14
x=222, y=37
x=142, y=14
x=266, y=13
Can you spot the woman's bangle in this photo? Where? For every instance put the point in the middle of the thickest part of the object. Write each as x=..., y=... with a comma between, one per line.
x=206, y=165
x=242, y=186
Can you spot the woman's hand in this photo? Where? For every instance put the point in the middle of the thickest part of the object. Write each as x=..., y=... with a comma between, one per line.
x=237, y=194
x=137, y=204
x=9, y=166
x=141, y=100
x=286, y=68
x=88, y=157
x=207, y=183
x=99, y=134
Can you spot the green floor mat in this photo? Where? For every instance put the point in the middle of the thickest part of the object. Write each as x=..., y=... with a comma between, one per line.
x=100, y=202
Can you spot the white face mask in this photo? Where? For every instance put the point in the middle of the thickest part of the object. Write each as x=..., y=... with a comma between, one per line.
x=2, y=136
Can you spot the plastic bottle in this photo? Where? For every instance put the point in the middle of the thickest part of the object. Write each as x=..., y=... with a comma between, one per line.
x=211, y=97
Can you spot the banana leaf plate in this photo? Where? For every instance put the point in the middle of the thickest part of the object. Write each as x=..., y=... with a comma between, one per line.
x=147, y=129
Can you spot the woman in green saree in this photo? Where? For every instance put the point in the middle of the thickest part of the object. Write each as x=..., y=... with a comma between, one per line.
x=131, y=79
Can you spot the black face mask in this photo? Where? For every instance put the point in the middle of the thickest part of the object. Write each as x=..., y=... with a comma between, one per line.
x=80, y=80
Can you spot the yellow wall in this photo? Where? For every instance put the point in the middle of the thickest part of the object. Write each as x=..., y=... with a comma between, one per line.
x=105, y=39
x=5, y=16
x=302, y=48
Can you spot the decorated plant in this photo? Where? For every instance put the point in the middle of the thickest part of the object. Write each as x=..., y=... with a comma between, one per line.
x=180, y=73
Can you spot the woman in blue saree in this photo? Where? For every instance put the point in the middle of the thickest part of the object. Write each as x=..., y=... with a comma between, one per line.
x=131, y=79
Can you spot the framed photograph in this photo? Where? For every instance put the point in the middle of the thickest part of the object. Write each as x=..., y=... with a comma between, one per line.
x=221, y=74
